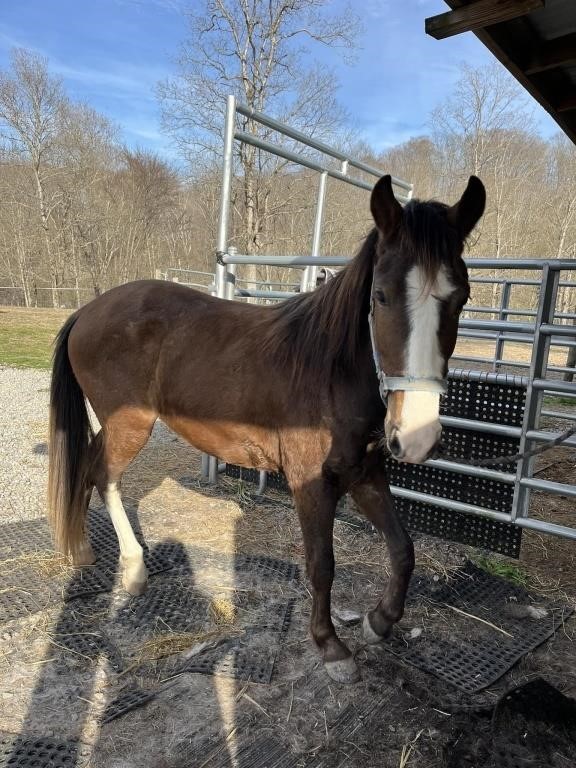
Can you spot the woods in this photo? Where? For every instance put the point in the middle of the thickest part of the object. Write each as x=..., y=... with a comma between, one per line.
x=80, y=212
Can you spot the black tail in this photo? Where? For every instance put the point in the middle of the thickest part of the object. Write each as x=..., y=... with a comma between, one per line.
x=69, y=447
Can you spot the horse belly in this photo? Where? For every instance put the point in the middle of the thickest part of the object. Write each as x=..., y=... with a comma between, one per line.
x=253, y=447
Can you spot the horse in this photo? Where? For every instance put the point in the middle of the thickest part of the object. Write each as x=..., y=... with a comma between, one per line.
x=318, y=386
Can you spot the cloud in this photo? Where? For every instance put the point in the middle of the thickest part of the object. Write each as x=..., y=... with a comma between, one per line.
x=121, y=77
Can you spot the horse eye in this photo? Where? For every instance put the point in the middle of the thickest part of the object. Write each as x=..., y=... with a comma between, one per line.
x=380, y=297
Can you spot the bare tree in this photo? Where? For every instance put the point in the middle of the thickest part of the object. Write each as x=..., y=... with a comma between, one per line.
x=31, y=101
x=255, y=49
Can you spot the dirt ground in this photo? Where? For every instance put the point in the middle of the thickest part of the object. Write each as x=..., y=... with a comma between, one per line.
x=397, y=716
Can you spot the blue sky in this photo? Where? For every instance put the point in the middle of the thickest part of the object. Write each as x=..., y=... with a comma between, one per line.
x=110, y=53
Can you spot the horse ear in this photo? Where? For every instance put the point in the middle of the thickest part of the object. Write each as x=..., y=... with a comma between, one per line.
x=464, y=215
x=386, y=210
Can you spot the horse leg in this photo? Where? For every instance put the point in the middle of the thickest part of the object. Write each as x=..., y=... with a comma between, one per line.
x=125, y=433
x=373, y=497
x=316, y=507
x=84, y=554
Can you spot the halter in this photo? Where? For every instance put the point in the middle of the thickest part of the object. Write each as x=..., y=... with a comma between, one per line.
x=403, y=383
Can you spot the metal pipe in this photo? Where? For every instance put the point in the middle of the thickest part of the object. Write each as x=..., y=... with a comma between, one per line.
x=287, y=261
x=504, y=301
x=562, y=489
x=308, y=282
x=480, y=426
x=246, y=294
x=293, y=157
x=539, y=436
x=314, y=144
x=223, y=223
x=548, y=329
x=545, y=527
x=468, y=469
x=554, y=385
x=554, y=265
x=262, y=482
x=533, y=403
x=498, y=325
x=451, y=504
x=559, y=415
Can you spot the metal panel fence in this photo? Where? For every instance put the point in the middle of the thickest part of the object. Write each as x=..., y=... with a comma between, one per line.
x=528, y=354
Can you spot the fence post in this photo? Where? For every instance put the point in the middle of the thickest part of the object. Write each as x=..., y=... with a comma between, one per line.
x=502, y=315
x=308, y=282
x=223, y=222
x=533, y=406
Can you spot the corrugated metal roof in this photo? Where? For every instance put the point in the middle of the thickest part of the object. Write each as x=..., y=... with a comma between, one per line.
x=539, y=49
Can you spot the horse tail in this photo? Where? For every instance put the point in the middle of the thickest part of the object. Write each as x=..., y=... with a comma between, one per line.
x=70, y=436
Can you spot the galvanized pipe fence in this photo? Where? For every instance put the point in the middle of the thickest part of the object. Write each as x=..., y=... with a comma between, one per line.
x=543, y=329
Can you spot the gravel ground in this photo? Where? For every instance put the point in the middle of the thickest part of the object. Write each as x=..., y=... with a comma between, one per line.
x=23, y=447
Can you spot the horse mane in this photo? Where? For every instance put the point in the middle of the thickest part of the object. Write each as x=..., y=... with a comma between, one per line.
x=321, y=331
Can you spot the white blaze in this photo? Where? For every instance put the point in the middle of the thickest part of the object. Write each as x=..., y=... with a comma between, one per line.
x=419, y=428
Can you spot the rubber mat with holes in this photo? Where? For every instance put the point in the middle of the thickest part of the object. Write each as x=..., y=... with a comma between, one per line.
x=263, y=752
x=266, y=567
x=25, y=536
x=244, y=658
x=478, y=654
x=85, y=641
x=174, y=608
x=24, y=752
x=129, y=700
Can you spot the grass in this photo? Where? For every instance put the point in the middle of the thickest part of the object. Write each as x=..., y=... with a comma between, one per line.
x=26, y=335
x=558, y=400
x=505, y=570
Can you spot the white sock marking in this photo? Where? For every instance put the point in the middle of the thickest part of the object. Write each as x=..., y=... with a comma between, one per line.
x=129, y=546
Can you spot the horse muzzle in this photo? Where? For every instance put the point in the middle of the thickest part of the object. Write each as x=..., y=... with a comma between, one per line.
x=412, y=426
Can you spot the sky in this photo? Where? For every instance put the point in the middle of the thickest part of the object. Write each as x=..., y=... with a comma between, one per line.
x=111, y=53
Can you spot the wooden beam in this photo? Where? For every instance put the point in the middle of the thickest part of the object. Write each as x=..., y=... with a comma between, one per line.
x=477, y=15
x=552, y=54
x=567, y=105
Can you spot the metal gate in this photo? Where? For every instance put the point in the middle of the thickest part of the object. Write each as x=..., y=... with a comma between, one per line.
x=488, y=411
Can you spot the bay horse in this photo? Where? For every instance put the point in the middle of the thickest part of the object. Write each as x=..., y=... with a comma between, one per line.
x=317, y=386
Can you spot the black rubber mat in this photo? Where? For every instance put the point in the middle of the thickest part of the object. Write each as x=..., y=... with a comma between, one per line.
x=262, y=752
x=267, y=568
x=25, y=536
x=23, y=593
x=245, y=658
x=166, y=607
x=89, y=581
x=129, y=700
x=85, y=641
x=40, y=752
x=231, y=660
x=276, y=618
x=479, y=655
x=357, y=715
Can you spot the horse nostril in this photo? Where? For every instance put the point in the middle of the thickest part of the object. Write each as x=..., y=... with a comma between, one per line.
x=394, y=446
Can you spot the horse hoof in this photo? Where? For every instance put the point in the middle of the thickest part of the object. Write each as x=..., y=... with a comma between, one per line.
x=343, y=671
x=370, y=636
x=134, y=587
x=84, y=556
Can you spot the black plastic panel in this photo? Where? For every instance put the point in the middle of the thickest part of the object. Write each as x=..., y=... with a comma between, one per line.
x=40, y=752
x=129, y=700
x=473, y=665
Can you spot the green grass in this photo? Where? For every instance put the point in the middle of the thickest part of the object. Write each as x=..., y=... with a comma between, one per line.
x=559, y=400
x=26, y=336
x=505, y=570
